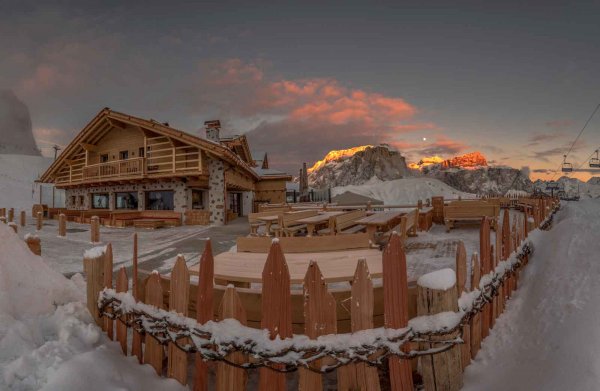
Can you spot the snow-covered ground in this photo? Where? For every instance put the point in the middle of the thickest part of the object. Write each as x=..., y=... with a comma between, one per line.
x=47, y=337
x=548, y=338
x=17, y=174
x=403, y=191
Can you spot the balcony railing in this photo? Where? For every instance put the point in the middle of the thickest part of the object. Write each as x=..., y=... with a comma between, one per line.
x=118, y=168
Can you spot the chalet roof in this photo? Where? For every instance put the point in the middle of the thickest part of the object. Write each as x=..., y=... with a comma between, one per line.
x=239, y=145
x=270, y=173
x=107, y=116
x=350, y=198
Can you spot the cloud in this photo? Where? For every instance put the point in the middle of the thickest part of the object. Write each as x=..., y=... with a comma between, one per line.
x=552, y=153
x=560, y=124
x=302, y=119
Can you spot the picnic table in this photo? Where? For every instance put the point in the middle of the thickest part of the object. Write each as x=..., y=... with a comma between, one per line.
x=381, y=220
x=314, y=221
x=268, y=220
x=338, y=266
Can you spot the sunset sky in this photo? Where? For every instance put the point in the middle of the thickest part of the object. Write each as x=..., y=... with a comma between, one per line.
x=516, y=82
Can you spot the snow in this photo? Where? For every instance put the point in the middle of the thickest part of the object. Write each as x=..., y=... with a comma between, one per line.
x=48, y=340
x=548, y=337
x=442, y=279
x=402, y=191
x=94, y=252
x=17, y=174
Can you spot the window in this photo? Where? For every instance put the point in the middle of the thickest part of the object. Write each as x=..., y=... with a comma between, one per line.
x=123, y=155
x=127, y=200
x=159, y=200
x=197, y=199
x=141, y=152
x=81, y=201
x=100, y=201
x=73, y=204
x=104, y=158
x=235, y=202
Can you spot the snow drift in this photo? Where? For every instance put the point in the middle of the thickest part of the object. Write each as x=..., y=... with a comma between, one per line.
x=48, y=340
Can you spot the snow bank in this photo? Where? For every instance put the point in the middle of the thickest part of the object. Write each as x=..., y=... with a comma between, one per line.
x=48, y=340
x=403, y=191
x=548, y=337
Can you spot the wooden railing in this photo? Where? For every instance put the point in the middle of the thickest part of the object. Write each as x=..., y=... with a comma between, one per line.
x=119, y=168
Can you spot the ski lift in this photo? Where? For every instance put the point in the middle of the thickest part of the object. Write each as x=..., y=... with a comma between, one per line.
x=595, y=162
x=566, y=167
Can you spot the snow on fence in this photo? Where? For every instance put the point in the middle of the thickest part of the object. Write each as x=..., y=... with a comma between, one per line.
x=444, y=336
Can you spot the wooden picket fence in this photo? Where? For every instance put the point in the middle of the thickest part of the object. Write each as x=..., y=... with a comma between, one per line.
x=440, y=371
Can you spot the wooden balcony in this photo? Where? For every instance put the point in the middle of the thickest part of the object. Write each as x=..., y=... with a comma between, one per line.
x=119, y=168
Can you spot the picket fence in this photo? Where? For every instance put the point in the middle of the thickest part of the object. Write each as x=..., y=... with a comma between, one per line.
x=180, y=323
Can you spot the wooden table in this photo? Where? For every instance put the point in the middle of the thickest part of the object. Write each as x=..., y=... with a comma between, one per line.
x=322, y=218
x=336, y=266
x=268, y=220
x=380, y=220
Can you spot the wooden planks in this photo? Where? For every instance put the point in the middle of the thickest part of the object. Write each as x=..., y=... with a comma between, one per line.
x=230, y=378
x=475, y=322
x=204, y=310
x=136, y=342
x=461, y=279
x=179, y=298
x=395, y=303
x=360, y=376
x=122, y=286
x=305, y=244
x=276, y=311
x=319, y=319
x=108, y=274
x=153, y=354
x=486, y=267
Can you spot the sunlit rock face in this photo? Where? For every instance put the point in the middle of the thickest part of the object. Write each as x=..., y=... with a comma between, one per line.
x=469, y=160
x=355, y=166
x=16, y=136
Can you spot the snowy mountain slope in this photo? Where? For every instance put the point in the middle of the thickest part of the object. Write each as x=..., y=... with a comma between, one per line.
x=573, y=186
x=48, y=340
x=357, y=165
x=548, y=337
x=17, y=174
x=402, y=191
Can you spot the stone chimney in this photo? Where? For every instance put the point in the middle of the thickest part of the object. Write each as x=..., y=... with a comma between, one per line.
x=213, y=128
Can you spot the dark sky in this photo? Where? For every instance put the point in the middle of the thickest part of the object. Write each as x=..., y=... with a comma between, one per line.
x=514, y=81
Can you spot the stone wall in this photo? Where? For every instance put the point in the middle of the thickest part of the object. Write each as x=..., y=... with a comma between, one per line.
x=216, y=190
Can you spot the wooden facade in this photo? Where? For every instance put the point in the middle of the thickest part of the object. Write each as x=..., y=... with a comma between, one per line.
x=118, y=153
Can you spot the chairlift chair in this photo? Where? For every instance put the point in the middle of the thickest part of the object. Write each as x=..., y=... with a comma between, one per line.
x=552, y=185
x=567, y=167
x=595, y=162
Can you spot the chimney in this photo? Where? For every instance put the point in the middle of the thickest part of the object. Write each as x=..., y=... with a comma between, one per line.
x=212, y=130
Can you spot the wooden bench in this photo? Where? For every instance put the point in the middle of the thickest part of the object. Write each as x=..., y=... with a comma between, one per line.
x=148, y=223
x=304, y=244
x=288, y=222
x=128, y=219
x=407, y=227
x=470, y=211
x=345, y=223
x=103, y=215
x=425, y=219
x=251, y=300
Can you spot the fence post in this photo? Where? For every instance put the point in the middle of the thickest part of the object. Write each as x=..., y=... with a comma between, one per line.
x=23, y=218
x=506, y=248
x=14, y=227
x=122, y=286
x=179, y=299
x=136, y=341
x=230, y=378
x=153, y=353
x=34, y=244
x=2, y=212
x=438, y=209
x=95, y=229
x=108, y=275
x=360, y=376
x=319, y=319
x=11, y=215
x=475, y=322
x=486, y=267
x=436, y=292
x=62, y=225
x=395, y=307
x=40, y=221
x=93, y=267
x=276, y=311
x=461, y=283
x=204, y=310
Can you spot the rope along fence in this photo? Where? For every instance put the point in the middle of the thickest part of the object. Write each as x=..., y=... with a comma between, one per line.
x=217, y=340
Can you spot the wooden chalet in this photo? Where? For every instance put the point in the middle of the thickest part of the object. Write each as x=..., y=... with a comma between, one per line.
x=121, y=163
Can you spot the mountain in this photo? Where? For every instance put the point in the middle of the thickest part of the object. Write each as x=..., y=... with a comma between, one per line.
x=573, y=186
x=16, y=136
x=356, y=166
